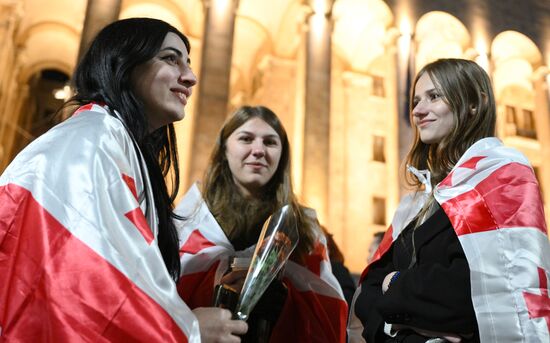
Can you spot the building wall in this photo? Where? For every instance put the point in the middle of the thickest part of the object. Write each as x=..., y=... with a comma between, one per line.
x=375, y=45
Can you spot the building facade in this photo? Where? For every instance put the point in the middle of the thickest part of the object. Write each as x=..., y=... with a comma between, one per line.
x=336, y=73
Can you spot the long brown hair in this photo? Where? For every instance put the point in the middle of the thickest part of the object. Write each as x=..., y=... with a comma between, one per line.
x=240, y=218
x=466, y=89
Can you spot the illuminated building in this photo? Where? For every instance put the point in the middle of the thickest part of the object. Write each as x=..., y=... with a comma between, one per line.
x=336, y=73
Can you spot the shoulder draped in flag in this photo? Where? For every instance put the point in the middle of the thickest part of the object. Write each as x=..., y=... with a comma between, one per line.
x=78, y=250
x=493, y=201
x=315, y=309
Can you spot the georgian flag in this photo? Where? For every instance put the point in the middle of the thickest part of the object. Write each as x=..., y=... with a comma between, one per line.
x=315, y=310
x=493, y=201
x=79, y=260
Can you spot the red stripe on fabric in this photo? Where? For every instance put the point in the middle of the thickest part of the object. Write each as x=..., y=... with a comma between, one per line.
x=83, y=108
x=197, y=289
x=131, y=183
x=472, y=162
x=538, y=306
x=508, y=198
x=384, y=246
x=310, y=317
x=447, y=181
x=136, y=216
x=543, y=282
x=469, y=214
x=140, y=222
x=316, y=257
x=195, y=243
x=56, y=289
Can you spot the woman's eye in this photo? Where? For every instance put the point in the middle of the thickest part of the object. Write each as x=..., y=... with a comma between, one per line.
x=246, y=139
x=434, y=96
x=171, y=59
x=270, y=142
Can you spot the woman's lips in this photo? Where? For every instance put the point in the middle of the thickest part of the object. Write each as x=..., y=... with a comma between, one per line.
x=425, y=122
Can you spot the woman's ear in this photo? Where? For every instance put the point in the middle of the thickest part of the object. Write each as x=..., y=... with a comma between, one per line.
x=473, y=110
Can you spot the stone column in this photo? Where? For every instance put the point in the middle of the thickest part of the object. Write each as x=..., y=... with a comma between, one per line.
x=213, y=86
x=19, y=97
x=99, y=13
x=11, y=13
x=276, y=89
x=542, y=120
x=316, y=147
x=399, y=132
x=404, y=77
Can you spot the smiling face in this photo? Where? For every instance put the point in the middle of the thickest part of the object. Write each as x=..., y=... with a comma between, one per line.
x=253, y=152
x=164, y=83
x=431, y=115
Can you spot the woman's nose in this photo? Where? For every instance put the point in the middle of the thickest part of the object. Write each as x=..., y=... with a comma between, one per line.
x=419, y=109
x=187, y=78
x=258, y=149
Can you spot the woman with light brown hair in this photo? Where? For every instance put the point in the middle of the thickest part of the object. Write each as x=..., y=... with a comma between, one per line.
x=248, y=179
x=466, y=248
x=255, y=189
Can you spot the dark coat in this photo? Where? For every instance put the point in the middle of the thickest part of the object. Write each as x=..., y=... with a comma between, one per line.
x=432, y=294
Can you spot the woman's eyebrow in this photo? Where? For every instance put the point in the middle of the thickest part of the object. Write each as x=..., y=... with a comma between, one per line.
x=269, y=135
x=178, y=52
x=427, y=91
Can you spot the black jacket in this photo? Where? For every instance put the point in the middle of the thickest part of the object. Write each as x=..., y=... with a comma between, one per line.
x=432, y=294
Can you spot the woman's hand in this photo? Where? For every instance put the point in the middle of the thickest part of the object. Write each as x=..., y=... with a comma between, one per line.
x=216, y=325
x=234, y=279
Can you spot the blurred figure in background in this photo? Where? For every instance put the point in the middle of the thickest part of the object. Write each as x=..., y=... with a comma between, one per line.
x=339, y=269
x=376, y=239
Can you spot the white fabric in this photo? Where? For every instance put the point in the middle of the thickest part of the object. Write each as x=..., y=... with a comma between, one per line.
x=90, y=200
x=199, y=217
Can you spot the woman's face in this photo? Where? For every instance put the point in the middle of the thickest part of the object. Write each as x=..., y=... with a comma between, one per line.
x=164, y=83
x=253, y=152
x=431, y=115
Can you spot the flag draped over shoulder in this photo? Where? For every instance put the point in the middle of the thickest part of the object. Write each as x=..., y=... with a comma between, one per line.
x=493, y=202
x=315, y=309
x=79, y=260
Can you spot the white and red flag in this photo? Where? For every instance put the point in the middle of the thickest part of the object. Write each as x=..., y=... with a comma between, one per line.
x=315, y=309
x=79, y=260
x=493, y=201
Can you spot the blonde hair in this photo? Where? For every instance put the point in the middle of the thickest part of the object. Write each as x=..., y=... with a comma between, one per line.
x=243, y=218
